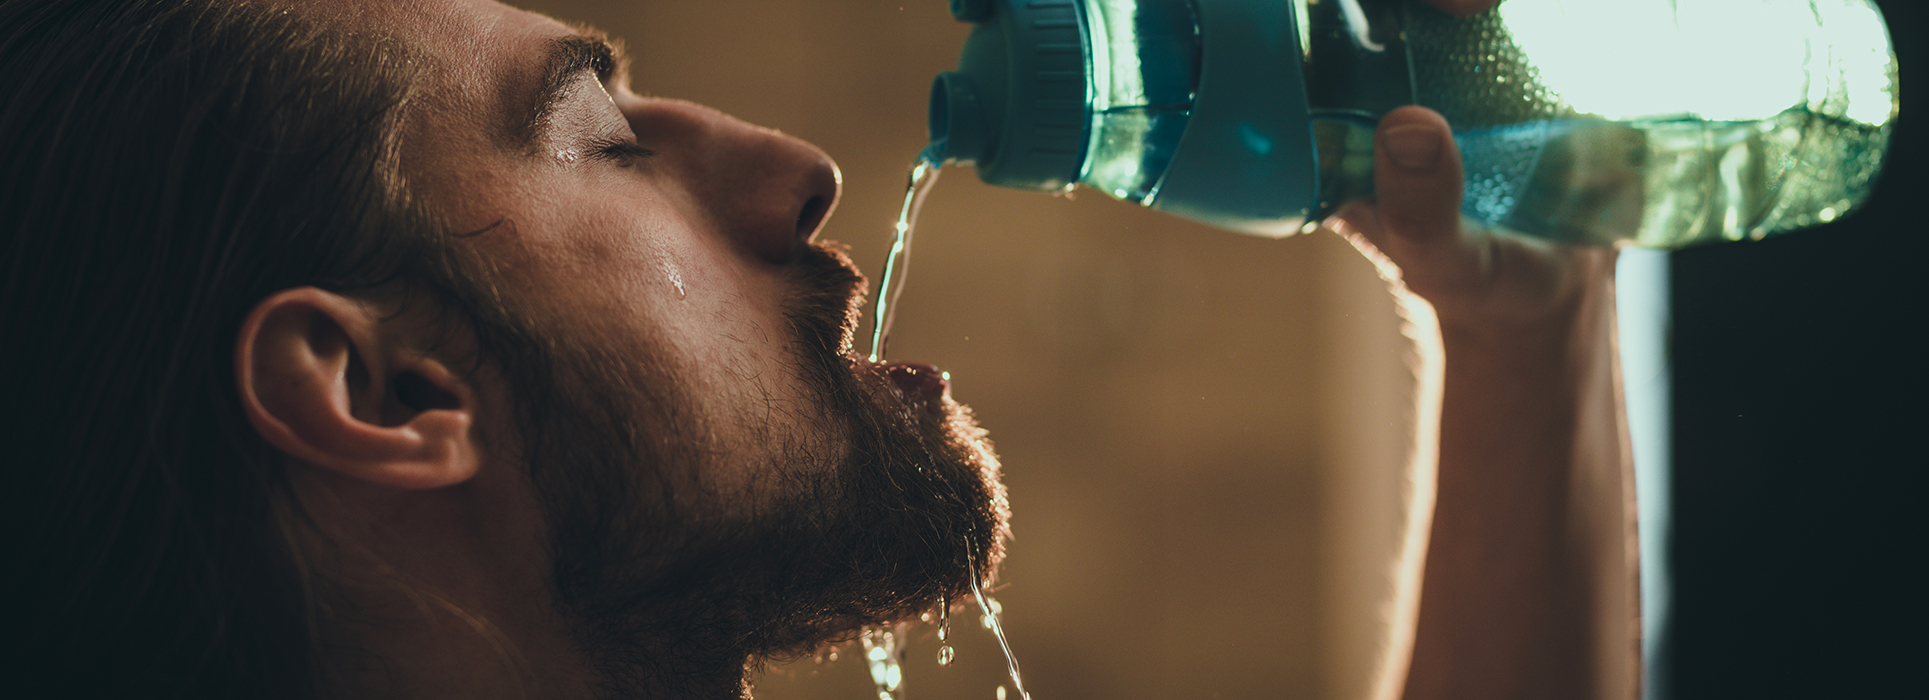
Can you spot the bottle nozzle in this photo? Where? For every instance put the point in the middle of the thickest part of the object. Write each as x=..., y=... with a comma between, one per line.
x=971, y=10
x=957, y=124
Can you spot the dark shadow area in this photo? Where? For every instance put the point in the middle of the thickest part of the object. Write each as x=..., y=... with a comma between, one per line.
x=1799, y=480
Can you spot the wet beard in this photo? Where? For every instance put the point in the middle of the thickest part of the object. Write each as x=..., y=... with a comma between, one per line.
x=676, y=604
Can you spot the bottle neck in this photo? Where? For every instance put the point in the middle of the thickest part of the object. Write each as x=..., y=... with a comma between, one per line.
x=1344, y=147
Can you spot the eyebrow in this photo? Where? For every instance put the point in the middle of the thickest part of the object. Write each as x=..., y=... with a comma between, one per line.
x=566, y=58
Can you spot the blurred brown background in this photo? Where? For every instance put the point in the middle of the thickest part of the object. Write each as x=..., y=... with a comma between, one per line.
x=1203, y=432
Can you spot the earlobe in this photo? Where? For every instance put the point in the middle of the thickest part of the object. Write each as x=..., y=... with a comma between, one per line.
x=330, y=383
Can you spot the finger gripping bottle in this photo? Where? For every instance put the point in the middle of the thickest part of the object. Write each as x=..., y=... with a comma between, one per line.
x=1659, y=123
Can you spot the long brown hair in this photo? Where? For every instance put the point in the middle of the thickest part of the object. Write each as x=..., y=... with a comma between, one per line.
x=164, y=164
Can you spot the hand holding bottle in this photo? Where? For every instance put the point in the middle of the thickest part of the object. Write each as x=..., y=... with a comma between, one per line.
x=1529, y=590
x=1472, y=276
x=1477, y=280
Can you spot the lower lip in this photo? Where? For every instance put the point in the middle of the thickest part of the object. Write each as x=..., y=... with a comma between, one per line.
x=916, y=380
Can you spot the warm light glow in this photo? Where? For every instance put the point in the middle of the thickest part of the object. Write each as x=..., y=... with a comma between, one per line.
x=1863, y=62
x=1831, y=55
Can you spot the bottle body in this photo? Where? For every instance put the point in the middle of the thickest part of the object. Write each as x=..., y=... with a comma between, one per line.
x=1660, y=123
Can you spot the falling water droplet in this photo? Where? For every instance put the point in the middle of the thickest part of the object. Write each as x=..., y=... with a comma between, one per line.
x=945, y=652
x=989, y=619
x=990, y=608
x=885, y=659
x=1001, y=692
x=891, y=285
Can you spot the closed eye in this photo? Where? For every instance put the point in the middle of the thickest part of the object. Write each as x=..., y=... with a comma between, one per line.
x=624, y=154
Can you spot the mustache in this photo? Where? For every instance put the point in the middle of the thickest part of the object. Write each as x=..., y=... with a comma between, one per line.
x=828, y=298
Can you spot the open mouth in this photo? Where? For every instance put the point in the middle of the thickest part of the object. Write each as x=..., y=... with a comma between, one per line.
x=915, y=383
x=834, y=300
x=916, y=380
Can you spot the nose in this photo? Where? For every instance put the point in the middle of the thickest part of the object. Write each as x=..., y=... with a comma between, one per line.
x=769, y=192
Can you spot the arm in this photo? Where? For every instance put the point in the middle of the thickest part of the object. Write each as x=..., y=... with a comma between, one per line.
x=1528, y=584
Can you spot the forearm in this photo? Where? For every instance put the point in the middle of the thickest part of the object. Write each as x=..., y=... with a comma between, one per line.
x=1528, y=590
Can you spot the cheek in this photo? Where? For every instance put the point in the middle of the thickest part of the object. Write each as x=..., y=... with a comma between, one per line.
x=656, y=283
x=713, y=312
x=639, y=278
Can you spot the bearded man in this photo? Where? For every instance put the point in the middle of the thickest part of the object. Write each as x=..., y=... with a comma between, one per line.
x=374, y=349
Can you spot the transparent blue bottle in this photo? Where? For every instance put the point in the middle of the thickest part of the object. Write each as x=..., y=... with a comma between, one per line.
x=1659, y=123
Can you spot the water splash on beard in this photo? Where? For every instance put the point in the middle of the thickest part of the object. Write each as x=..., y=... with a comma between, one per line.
x=677, y=600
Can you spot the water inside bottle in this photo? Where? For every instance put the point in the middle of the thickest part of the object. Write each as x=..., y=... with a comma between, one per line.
x=1130, y=149
x=1141, y=93
x=1656, y=182
x=1669, y=183
x=1660, y=123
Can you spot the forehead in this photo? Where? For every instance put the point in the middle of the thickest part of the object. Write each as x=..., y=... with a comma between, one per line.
x=483, y=62
x=440, y=25
x=482, y=54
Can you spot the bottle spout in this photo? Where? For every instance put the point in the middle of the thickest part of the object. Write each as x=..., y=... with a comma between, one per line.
x=960, y=132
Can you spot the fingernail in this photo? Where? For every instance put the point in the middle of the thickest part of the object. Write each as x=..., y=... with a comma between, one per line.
x=1413, y=146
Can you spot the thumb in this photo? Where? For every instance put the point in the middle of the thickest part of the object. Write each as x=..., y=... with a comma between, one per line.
x=1415, y=220
x=1416, y=172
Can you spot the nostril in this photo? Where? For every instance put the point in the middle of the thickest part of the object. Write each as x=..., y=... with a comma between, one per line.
x=811, y=216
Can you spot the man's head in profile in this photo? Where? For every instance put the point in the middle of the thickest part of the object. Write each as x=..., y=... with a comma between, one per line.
x=345, y=339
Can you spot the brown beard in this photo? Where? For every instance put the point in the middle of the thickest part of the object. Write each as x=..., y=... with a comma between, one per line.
x=671, y=601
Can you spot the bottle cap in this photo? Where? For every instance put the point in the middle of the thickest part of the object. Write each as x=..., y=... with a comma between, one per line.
x=1017, y=106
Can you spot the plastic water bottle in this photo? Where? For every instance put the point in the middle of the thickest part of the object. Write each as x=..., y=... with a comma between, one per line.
x=1658, y=123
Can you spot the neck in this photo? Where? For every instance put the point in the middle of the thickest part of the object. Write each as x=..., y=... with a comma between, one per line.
x=393, y=640
x=386, y=635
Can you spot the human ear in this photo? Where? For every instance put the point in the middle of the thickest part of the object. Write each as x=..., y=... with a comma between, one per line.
x=327, y=381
